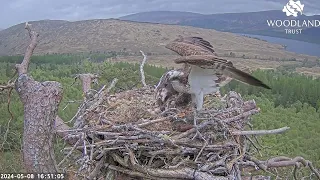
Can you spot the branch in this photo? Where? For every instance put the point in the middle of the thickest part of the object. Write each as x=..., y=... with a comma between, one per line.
x=283, y=162
x=11, y=118
x=96, y=171
x=126, y=171
x=112, y=85
x=143, y=79
x=70, y=152
x=10, y=85
x=261, y=132
x=61, y=129
x=23, y=67
x=90, y=104
x=153, y=122
x=183, y=173
x=87, y=80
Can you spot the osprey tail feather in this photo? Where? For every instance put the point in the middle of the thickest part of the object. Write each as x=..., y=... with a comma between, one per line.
x=245, y=77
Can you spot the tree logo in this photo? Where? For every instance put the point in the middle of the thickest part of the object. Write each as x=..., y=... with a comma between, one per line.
x=292, y=8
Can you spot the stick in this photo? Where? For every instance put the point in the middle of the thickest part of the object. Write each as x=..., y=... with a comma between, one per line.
x=70, y=152
x=153, y=122
x=112, y=85
x=87, y=80
x=183, y=173
x=10, y=85
x=96, y=171
x=261, y=132
x=62, y=130
x=143, y=79
x=283, y=162
x=23, y=67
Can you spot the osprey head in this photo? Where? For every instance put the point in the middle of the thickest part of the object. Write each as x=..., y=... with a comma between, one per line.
x=164, y=89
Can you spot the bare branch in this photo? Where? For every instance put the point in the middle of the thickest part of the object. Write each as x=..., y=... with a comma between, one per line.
x=8, y=86
x=143, y=79
x=96, y=170
x=11, y=118
x=90, y=104
x=283, y=162
x=153, y=122
x=23, y=67
x=183, y=173
x=87, y=80
x=261, y=132
x=112, y=85
x=61, y=129
x=73, y=148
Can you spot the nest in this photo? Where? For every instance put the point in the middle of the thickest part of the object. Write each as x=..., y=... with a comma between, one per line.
x=128, y=135
x=127, y=132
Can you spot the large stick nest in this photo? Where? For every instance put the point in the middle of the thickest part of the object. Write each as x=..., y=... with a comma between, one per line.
x=126, y=132
x=130, y=127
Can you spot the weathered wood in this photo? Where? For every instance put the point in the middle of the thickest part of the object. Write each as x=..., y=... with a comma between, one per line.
x=143, y=78
x=61, y=130
x=40, y=101
x=261, y=132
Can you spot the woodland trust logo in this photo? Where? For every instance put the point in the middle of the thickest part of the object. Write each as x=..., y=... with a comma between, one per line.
x=293, y=26
x=293, y=8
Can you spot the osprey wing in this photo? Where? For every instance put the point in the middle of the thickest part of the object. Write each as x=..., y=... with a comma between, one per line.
x=186, y=46
x=221, y=66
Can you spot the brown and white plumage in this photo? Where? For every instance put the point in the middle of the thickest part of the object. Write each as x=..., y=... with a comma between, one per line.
x=186, y=46
x=207, y=71
x=164, y=89
x=220, y=67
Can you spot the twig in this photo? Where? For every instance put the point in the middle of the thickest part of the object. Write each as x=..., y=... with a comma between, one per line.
x=87, y=80
x=294, y=172
x=261, y=132
x=73, y=148
x=283, y=162
x=11, y=118
x=183, y=173
x=143, y=78
x=112, y=85
x=23, y=67
x=8, y=86
x=95, y=172
x=70, y=102
x=205, y=144
x=153, y=122
x=83, y=138
x=127, y=171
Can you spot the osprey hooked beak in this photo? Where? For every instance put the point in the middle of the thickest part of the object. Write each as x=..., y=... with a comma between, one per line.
x=164, y=89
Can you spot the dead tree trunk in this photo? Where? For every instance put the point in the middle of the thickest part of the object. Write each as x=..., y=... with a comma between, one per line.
x=40, y=101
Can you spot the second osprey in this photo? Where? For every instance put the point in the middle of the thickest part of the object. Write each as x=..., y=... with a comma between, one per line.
x=203, y=72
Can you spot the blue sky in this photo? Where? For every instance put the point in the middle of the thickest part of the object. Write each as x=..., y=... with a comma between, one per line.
x=17, y=11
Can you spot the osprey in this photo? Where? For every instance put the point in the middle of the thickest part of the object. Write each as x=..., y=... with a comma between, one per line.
x=203, y=72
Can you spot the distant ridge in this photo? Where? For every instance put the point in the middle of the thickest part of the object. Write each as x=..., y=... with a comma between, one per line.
x=164, y=17
x=246, y=22
x=106, y=35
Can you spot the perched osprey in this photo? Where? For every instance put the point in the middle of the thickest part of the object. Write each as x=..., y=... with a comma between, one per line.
x=203, y=72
